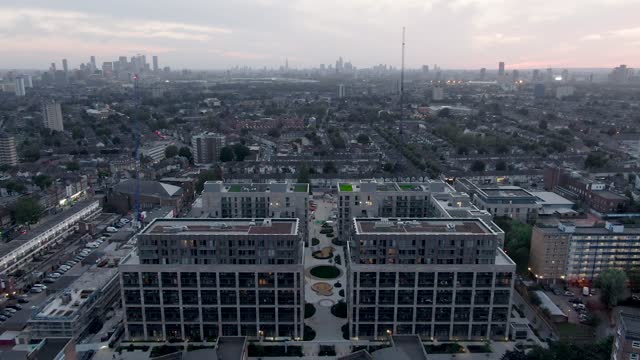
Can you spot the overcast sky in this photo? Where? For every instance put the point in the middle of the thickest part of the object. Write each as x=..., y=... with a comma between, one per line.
x=215, y=34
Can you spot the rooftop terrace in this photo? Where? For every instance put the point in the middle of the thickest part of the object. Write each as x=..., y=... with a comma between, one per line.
x=222, y=226
x=384, y=186
x=255, y=187
x=421, y=226
x=507, y=192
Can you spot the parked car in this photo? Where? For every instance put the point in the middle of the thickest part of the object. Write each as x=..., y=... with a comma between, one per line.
x=36, y=290
x=15, y=306
x=569, y=293
x=23, y=300
x=11, y=310
x=6, y=314
x=3, y=318
x=49, y=280
x=40, y=286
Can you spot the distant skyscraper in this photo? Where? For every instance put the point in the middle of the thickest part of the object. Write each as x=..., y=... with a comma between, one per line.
x=483, y=74
x=20, y=88
x=107, y=69
x=8, y=153
x=28, y=81
x=286, y=64
x=341, y=92
x=565, y=75
x=516, y=75
x=155, y=63
x=549, y=74
x=536, y=75
x=52, y=68
x=501, y=68
x=65, y=66
x=93, y=64
x=52, y=115
x=425, y=69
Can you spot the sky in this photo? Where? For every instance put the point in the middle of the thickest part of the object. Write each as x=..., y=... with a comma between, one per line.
x=218, y=34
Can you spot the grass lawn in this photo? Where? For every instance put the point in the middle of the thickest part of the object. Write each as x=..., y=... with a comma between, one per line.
x=325, y=272
x=407, y=186
x=346, y=187
x=235, y=188
x=301, y=188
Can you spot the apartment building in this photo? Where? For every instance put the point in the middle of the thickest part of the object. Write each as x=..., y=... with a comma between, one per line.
x=200, y=279
x=509, y=201
x=626, y=341
x=573, y=253
x=206, y=147
x=270, y=200
x=438, y=278
x=51, y=231
x=8, y=152
x=52, y=115
x=369, y=198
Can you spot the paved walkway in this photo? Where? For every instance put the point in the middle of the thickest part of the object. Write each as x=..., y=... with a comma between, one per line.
x=327, y=326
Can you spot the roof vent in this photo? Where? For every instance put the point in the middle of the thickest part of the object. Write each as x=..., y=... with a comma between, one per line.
x=451, y=227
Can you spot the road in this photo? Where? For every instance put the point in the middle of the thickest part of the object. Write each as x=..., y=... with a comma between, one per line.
x=540, y=325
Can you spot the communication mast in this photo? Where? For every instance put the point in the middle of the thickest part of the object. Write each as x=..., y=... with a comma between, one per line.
x=402, y=87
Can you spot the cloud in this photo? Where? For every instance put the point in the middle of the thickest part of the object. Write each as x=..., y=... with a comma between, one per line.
x=591, y=37
x=25, y=21
x=245, y=55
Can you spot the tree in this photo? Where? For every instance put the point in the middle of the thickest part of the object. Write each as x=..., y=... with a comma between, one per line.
x=241, y=151
x=303, y=174
x=478, y=166
x=77, y=133
x=363, y=139
x=501, y=165
x=595, y=160
x=72, y=166
x=445, y=112
x=611, y=283
x=170, y=151
x=42, y=181
x=16, y=187
x=208, y=175
x=275, y=132
x=31, y=153
x=226, y=154
x=329, y=168
x=186, y=153
x=28, y=211
x=543, y=124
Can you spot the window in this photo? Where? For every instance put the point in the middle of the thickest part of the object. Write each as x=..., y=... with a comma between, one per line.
x=634, y=356
x=635, y=344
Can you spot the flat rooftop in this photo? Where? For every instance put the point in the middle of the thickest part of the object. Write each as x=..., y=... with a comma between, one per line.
x=385, y=186
x=66, y=304
x=421, y=226
x=609, y=195
x=259, y=187
x=50, y=221
x=551, y=198
x=506, y=192
x=631, y=324
x=226, y=226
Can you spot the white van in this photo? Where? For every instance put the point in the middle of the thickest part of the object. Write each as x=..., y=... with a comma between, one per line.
x=111, y=229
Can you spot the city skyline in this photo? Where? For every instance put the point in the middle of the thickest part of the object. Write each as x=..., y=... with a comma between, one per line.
x=257, y=33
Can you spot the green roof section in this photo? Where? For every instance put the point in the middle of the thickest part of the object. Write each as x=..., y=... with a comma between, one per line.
x=409, y=186
x=301, y=188
x=346, y=187
x=235, y=188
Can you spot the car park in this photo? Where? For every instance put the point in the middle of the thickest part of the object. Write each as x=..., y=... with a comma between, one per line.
x=15, y=306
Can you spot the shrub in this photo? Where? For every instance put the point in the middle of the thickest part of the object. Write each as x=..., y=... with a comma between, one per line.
x=325, y=272
x=345, y=331
x=309, y=333
x=329, y=235
x=327, y=350
x=309, y=310
x=341, y=292
x=337, y=259
x=315, y=241
x=339, y=309
x=164, y=350
x=337, y=242
x=337, y=284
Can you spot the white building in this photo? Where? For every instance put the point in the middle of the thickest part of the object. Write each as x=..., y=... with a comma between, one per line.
x=438, y=93
x=20, y=88
x=155, y=151
x=8, y=153
x=341, y=91
x=564, y=91
x=52, y=115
